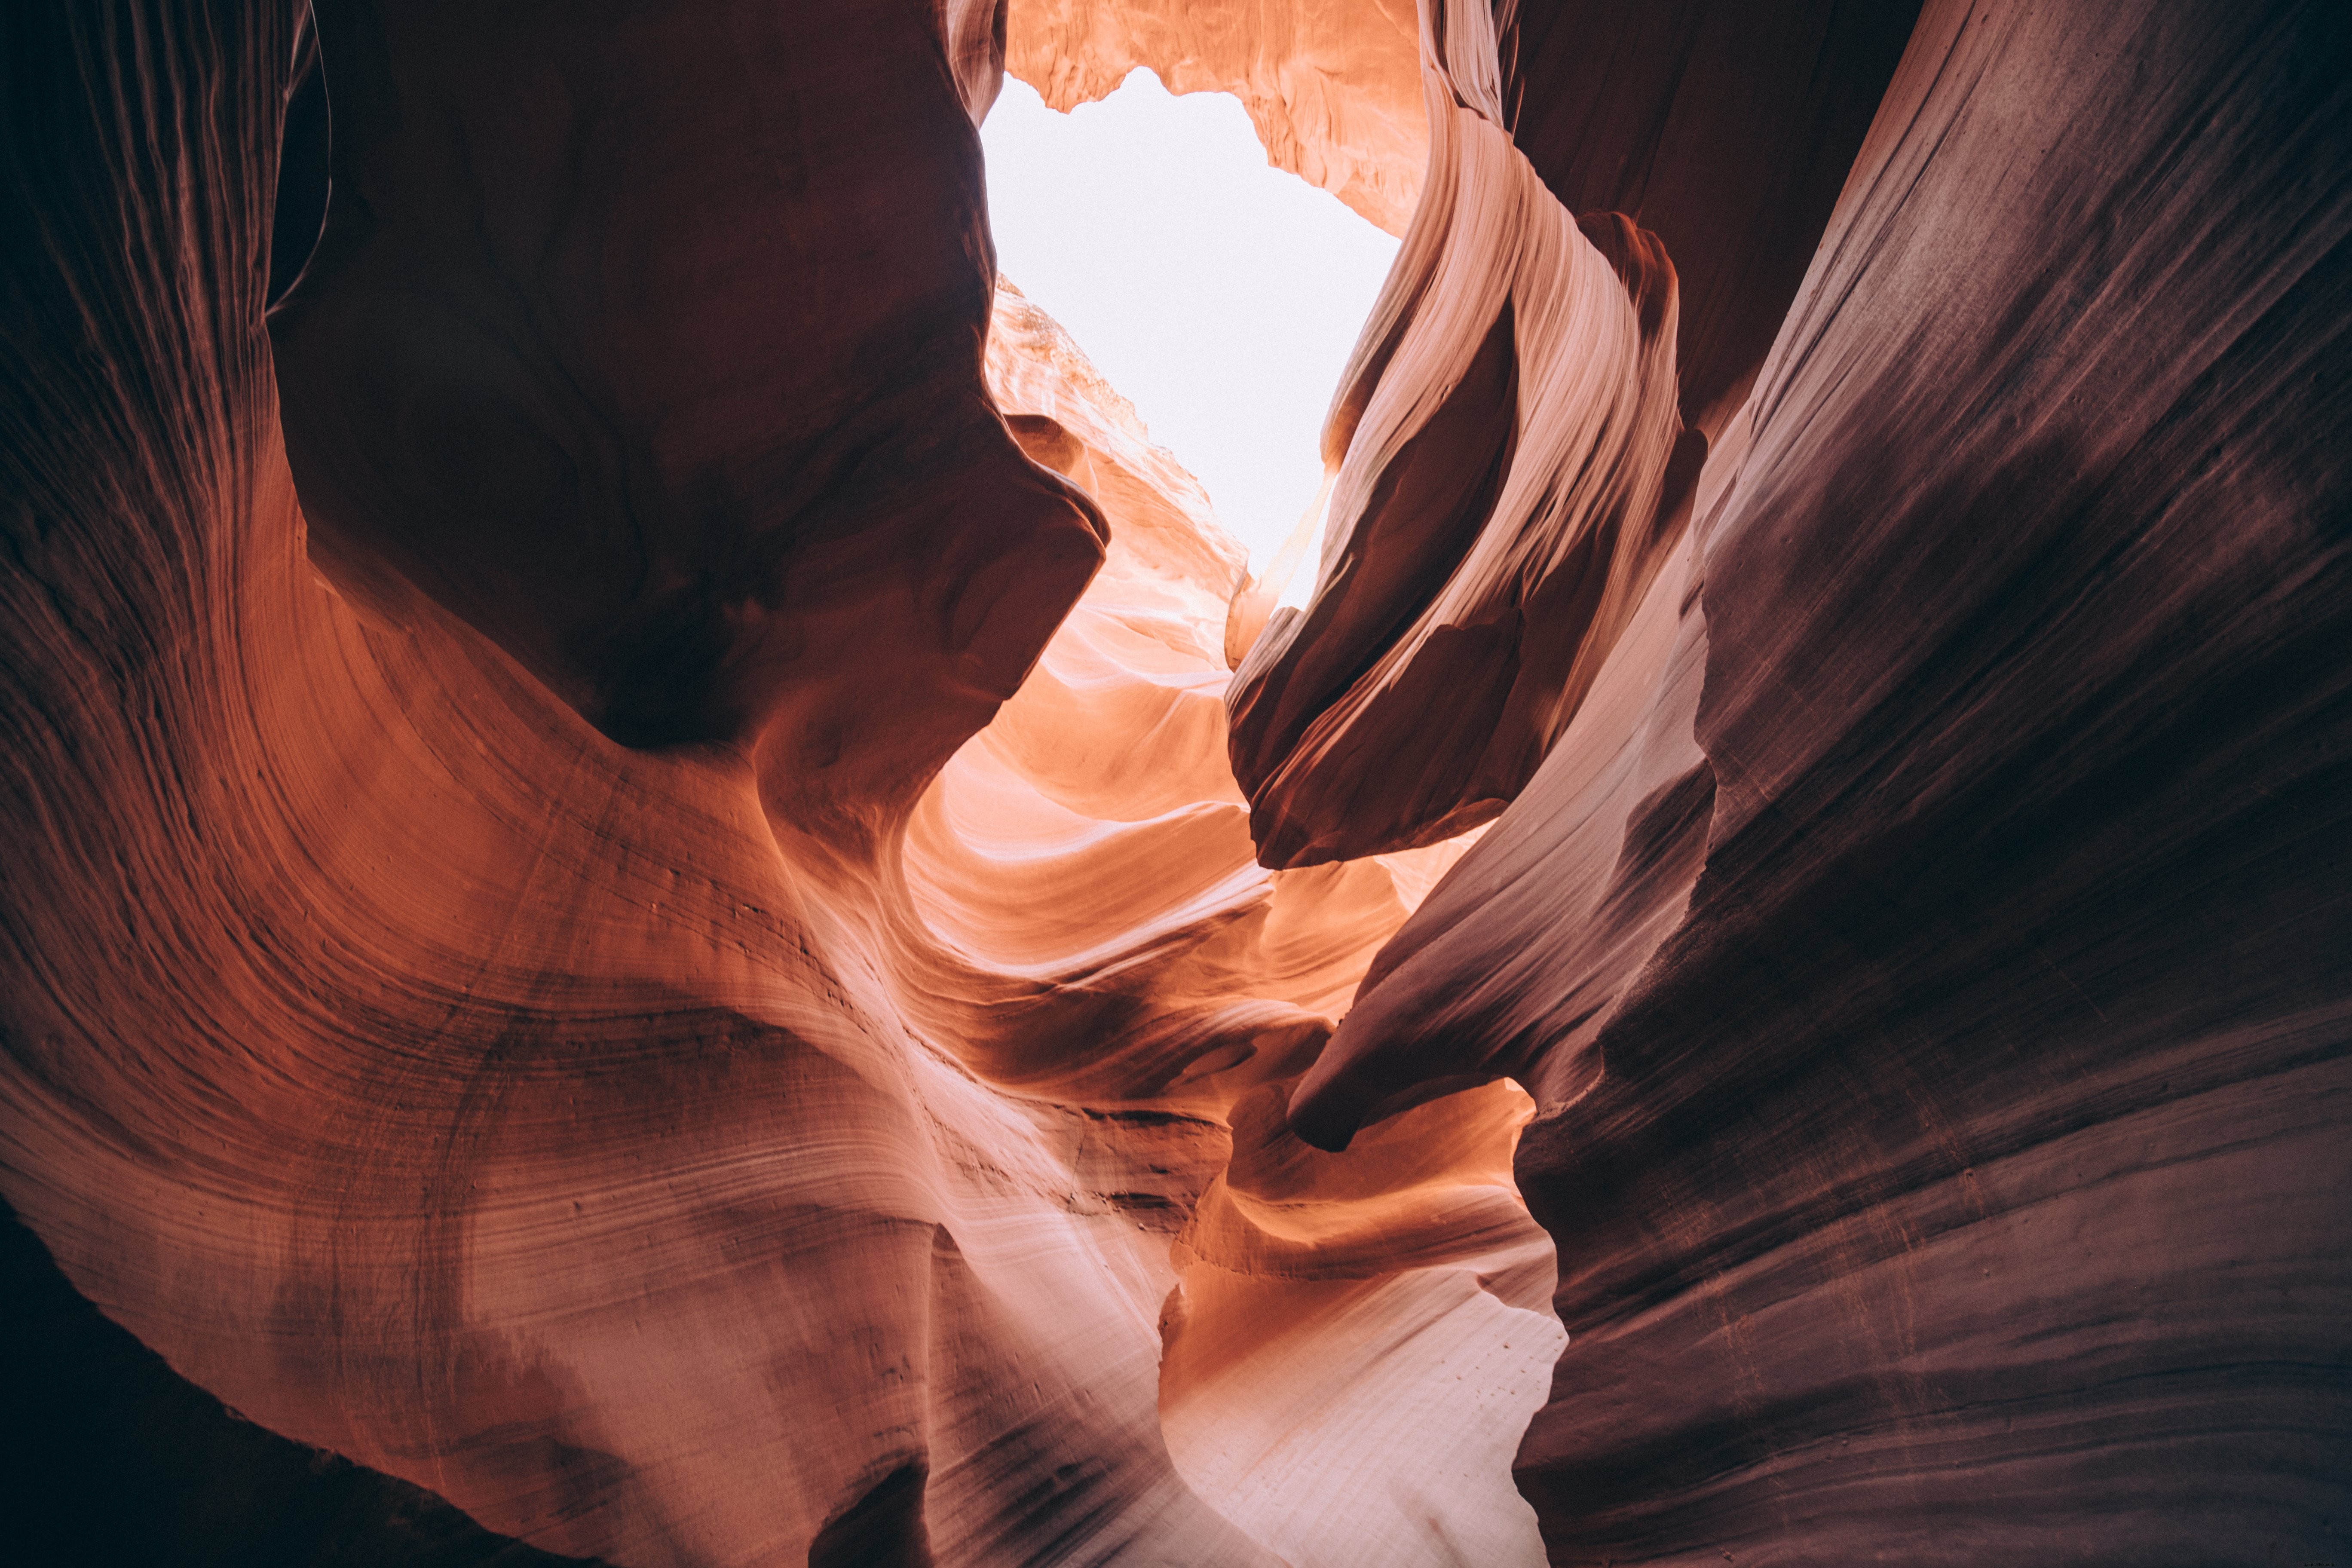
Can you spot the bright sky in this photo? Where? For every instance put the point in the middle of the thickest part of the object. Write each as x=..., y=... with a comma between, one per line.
x=1218, y=294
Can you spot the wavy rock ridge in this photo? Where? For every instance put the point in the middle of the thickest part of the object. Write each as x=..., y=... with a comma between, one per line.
x=1941, y=1112
x=642, y=903
x=807, y=1135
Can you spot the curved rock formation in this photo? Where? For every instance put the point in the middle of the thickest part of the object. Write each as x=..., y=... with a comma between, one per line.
x=802, y=1137
x=1927, y=943
x=1379, y=1318
x=1516, y=441
x=559, y=391
x=669, y=962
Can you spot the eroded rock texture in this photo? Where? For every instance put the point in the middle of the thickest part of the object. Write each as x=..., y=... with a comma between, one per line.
x=520, y=973
x=642, y=921
x=1515, y=442
x=1927, y=943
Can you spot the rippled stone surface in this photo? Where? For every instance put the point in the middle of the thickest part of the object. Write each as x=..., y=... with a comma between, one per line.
x=803, y=1132
x=631, y=928
x=1515, y=447
x=1924, y=944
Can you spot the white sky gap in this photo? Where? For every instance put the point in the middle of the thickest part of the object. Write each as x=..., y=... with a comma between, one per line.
x=1220, y=294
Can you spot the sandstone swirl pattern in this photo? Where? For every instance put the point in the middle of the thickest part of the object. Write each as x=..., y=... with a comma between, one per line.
x=1925, y=942
x=694, y=950
x=664, y=1151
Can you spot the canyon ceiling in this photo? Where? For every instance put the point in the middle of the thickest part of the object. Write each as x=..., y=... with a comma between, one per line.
x=667, y=899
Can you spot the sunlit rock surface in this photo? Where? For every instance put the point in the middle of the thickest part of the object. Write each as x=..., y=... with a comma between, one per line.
x=1515, y=442
x=1332, y=86
x=669, y=963
x=805, y=1143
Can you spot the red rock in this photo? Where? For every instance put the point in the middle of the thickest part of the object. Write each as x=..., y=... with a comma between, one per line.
x=671, y=955
x=1941, y=1082
x=774, y=1142
x=1512, y=469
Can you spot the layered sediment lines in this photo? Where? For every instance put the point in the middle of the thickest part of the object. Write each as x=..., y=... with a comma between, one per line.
x=522, y=974
x=1517, y=442
x=1925, y=943
x=663, y=920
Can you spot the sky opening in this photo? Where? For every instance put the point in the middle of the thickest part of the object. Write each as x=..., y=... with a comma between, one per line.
x=1218, y=294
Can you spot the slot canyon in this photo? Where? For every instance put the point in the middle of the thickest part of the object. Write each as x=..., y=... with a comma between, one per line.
x=668, y=899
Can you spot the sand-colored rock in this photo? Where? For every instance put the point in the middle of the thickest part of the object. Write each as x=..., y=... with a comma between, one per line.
x=1332, y=86
x=774, y=1144
x=1346, y=1342
x=670, y=954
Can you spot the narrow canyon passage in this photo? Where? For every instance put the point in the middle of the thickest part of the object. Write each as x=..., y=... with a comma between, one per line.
x=673, y=901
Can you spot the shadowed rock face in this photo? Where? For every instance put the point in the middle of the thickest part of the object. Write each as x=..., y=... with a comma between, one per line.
x=112, y=1457
x=648, y=939
x=1725, y=130
x=667, y=392
x=1515, y=442
x=1927, y=944
x=849, y=1132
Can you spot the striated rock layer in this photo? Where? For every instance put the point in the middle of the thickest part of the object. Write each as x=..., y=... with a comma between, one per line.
x=1927, y=943
x=825, y=1134
x=691, y=955
x=1515, y=442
